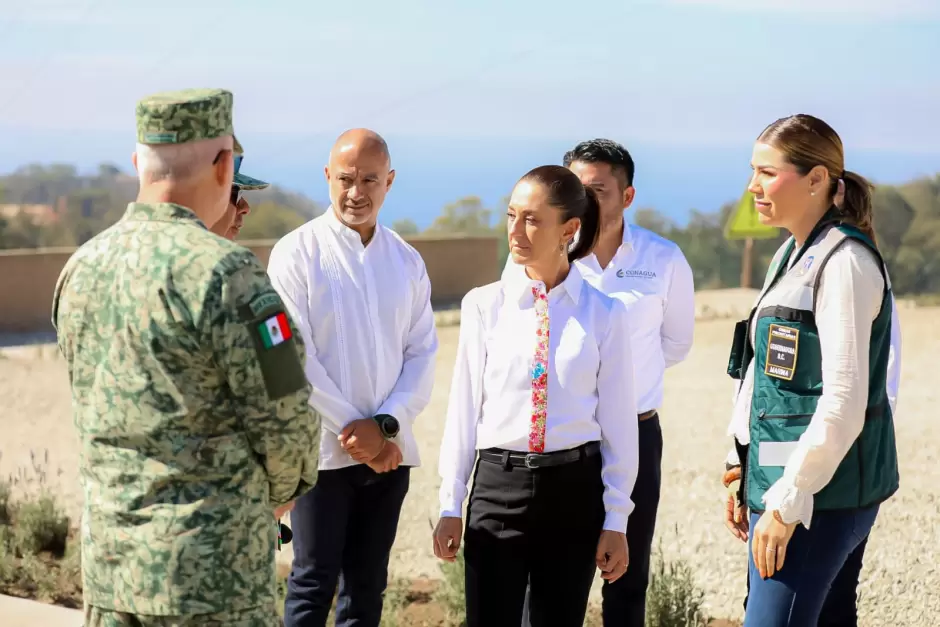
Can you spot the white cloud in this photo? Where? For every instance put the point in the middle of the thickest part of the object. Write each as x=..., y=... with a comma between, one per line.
x=848, y=8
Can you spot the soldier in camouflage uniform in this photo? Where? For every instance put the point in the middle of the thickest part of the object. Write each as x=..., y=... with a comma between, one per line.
x=188, y=391
x=231, y=222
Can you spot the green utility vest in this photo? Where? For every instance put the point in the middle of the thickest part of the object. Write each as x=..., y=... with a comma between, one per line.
x=788, y=379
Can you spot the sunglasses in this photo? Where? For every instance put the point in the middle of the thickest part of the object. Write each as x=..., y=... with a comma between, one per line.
x=236, y=191
x=237, y=160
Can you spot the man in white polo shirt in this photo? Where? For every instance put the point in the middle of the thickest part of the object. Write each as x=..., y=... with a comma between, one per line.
x=652, y=277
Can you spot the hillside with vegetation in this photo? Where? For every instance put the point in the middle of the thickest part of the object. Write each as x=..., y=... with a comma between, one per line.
x=906, y=219
x=907, y=228
x=53, y=205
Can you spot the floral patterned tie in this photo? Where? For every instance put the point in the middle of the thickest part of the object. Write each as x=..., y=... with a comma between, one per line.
x=539, y=373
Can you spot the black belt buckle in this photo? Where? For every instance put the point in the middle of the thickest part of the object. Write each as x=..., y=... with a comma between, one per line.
x=528, y=459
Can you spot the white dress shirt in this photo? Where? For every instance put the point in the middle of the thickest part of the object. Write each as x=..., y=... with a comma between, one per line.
x=848, y=301
x=365, y=316
x=651, y=276
x=590, y=392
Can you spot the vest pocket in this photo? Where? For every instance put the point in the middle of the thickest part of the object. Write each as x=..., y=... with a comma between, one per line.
x=877, y=450
x=774, y=438
x=844, y=489
x=787, y=352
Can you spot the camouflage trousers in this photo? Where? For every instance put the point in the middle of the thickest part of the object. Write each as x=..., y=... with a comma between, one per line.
x=265, y=616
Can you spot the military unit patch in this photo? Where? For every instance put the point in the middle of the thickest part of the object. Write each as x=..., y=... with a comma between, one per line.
x=263, y=302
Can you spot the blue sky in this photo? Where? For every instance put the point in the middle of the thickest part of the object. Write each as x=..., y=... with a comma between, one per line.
x=473, y=94
x=672, y=71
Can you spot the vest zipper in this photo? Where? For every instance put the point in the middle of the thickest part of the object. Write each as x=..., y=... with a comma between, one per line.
x=763, y=415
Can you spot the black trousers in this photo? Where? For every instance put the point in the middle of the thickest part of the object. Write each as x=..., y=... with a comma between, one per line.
x=624, y=601
x=840, y=608
x=344, y=529
x=532, y=526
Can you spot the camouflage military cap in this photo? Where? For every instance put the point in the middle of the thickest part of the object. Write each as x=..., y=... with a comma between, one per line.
x=243, y=181
x=187, y=115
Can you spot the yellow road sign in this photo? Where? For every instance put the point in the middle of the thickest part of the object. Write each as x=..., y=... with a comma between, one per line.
x=744, y=223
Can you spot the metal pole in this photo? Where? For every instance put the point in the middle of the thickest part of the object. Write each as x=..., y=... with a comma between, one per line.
x=747, y=262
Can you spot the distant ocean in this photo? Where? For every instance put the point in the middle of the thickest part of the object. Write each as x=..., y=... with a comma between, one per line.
x=432, y=172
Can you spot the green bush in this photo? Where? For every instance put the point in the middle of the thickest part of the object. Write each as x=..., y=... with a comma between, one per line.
x=673, y=599
x=7, y=555
x=38, y=560
x=452, y=591
x=5, y=503
x=40, y=526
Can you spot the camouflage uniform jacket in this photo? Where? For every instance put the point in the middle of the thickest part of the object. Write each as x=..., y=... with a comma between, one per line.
x=191, y=406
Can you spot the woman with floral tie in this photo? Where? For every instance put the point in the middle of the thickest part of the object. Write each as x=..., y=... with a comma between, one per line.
x=541, y=392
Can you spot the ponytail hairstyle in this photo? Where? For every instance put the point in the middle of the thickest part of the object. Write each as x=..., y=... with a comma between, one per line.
x=807, y=142
x=856, y=204
x=590, y=227
x=574, y=200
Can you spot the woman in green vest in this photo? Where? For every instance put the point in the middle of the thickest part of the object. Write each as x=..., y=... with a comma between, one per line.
x=812, y=422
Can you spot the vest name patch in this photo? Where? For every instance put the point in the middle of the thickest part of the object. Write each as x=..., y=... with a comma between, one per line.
x=782, y=348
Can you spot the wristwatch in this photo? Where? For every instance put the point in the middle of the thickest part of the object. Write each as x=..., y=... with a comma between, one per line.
x=388, y=425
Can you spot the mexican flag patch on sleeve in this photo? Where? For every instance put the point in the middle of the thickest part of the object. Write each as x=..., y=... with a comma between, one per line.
x=275, y=330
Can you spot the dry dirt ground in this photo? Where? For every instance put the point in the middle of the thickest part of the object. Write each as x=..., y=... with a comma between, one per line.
x=901, y=577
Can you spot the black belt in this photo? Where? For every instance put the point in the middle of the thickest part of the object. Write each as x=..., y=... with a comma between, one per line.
x=539, y=460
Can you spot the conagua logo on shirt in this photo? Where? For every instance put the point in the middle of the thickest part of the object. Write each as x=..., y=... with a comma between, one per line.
x=275, y=330
x=636, y=274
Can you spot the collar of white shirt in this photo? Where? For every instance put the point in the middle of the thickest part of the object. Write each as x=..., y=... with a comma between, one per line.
x=345, y=232
x=626, y=243
x=519, y=286
x=627, y=235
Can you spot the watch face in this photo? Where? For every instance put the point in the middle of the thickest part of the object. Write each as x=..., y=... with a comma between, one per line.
x=390, y=426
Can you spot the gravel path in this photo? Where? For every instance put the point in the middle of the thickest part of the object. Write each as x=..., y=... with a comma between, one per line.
x=901, y=579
